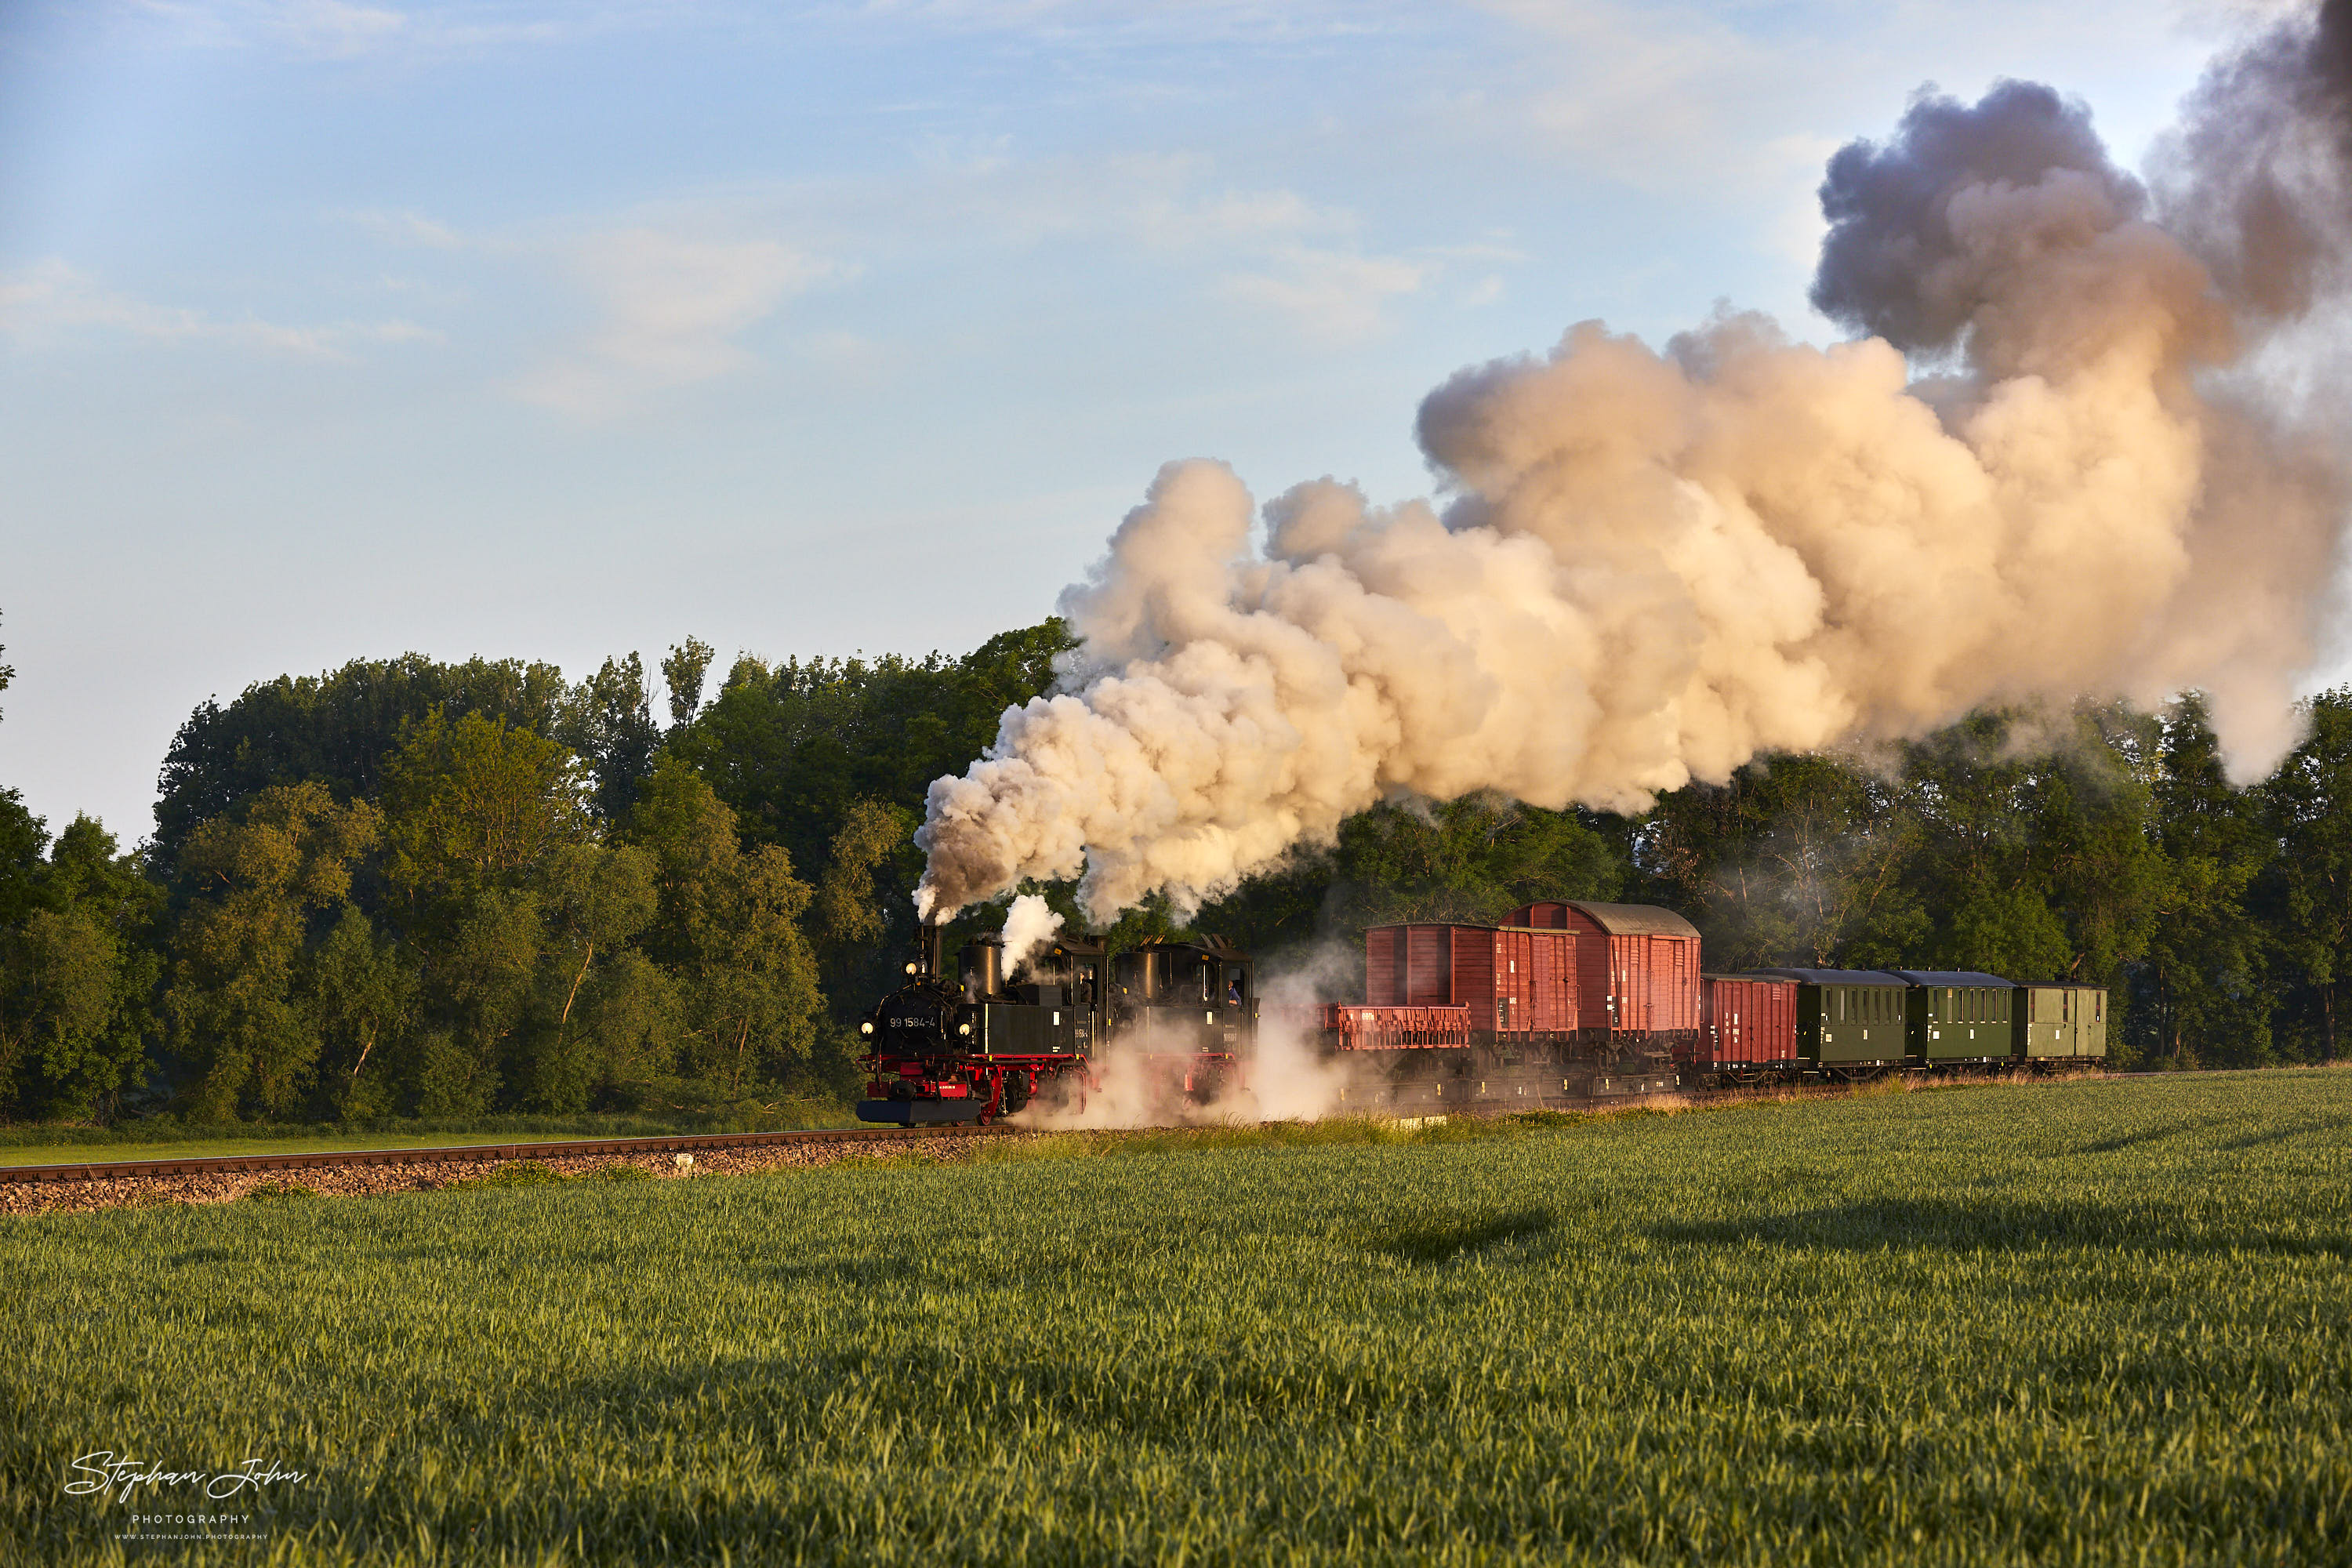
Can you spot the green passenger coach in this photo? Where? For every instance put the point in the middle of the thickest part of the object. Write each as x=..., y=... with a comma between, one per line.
x=2061, y=1021
x=1849, y=1021
x=1959, y=1015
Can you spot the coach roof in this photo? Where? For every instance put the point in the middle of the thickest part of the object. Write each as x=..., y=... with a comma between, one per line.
x=1954, y=977
x=1834, y=976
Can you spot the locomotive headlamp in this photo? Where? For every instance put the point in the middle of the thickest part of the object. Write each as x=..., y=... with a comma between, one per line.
x=866, y=1028
x=911, y=966
x=964, y=1028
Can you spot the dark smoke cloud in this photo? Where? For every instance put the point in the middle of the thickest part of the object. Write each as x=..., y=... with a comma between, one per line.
x=1894, y=265
x=2253, y=181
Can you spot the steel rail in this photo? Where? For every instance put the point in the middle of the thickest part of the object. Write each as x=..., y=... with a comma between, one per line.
x=679, y=1142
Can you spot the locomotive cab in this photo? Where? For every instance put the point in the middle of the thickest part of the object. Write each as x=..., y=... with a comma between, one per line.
x=1181, y=998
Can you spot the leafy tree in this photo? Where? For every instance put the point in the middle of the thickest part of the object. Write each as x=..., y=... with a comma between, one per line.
x=59, y=971
x=260, y=877
x=1470, y=860
x=23, y=839
x=337, y=729
x=2198, y=992
x=1798, y=860
x=852, y=920
x=1975, y=795
x=729, y=931
x=683, y=672
x=2310, y=802
x=609, y=1016
x=360, y=994
x=790, y=747
x=2094, y=820
x=89, y=881
x=474, y=805
x=480, y=975
x=608, y=721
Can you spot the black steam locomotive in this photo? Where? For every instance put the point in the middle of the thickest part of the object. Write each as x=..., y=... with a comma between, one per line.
x=977, y=1046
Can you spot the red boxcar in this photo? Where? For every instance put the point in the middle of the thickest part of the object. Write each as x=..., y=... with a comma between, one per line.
x=1514, y=982
x=1637, y=965
x=1751, y=1023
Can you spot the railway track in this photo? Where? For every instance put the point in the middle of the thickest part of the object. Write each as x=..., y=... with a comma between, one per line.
x=462, y=1153
x=878, y=1137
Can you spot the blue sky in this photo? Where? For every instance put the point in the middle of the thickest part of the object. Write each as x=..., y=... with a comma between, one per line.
x=335, y=330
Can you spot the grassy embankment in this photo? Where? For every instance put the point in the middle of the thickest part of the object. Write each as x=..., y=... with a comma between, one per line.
x=165, y=1138
x=2095, y=1323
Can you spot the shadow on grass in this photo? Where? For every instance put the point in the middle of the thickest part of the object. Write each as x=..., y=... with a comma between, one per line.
x=2281, y=1134
x=1442, y=1238
x=1888, y=1223
x=2151, y=1135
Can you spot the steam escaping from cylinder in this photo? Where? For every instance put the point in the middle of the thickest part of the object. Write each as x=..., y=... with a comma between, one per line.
x=2056, y=462
x=1029, y=925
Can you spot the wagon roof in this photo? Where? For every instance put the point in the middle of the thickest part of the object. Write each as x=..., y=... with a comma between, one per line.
x=1634, y=919
x=1955, y=977
x=1762, y=979
x=1834, y=976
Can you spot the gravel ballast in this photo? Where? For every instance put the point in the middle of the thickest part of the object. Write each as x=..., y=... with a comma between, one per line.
x=427, y=1175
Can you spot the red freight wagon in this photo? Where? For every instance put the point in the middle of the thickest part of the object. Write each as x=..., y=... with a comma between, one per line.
x=1514, y=982
x=1751, y=1026
x=1637, y=969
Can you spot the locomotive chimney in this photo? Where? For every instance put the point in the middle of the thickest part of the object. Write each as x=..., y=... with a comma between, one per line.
x=984, y=968
x=927, y=948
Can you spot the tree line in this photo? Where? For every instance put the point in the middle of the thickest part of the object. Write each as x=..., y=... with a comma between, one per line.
x=410, y=888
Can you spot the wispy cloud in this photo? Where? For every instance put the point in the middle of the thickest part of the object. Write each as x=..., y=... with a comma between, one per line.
x=671, y=308
x=354, y=29
x=1336, y=297
x=51, y=302
x=408, y=228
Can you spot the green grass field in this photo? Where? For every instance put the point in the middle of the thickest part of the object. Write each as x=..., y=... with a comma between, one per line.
x=2091, y=1323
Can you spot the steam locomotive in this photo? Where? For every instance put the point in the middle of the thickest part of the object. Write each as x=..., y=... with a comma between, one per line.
x=983, y=1044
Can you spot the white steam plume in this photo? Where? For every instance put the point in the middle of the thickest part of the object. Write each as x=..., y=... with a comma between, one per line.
x=1029, y=925
x=1653, y=565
